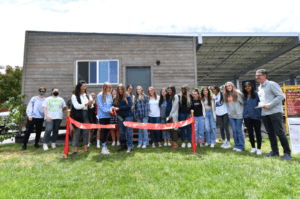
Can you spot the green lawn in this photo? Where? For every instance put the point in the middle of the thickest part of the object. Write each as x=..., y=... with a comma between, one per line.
x=147, y=173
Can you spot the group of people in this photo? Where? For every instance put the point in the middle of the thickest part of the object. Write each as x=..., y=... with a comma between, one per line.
x=210, y=105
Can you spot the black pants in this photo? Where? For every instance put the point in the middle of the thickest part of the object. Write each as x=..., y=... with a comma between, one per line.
x=223, y=121
x=274, y=127
x=38, y=122
x=256, y=124
x=104, y=132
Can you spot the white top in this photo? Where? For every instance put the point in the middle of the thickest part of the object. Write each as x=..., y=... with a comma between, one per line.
x=54, y=107
x=221, y=108
x=206, y=106
x=83, y=99
x=154, y=107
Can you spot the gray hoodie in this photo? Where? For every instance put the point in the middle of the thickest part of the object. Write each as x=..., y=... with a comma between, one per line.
x=236, y=109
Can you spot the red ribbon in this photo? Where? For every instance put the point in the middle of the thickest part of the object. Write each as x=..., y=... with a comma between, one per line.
x=150, y=126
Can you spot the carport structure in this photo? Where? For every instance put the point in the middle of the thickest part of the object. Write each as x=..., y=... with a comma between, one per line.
x=223, y=57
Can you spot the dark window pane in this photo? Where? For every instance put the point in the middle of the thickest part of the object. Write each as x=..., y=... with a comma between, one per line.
x=93, y=72
x=83, y=71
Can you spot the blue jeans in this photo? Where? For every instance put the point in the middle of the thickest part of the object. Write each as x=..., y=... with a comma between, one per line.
x=210, y=127
x=122, y=129
x=51, y=126
x=154, y=133
x=143, y=133
x=165, y=134
x=238, y=135
x=199, y=129
x=182, y=117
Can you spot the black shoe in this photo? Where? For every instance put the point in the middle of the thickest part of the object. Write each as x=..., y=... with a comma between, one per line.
x=37, y=146
x=24, y=148
x=75, y=153
x=286, y=157
x=271, y=154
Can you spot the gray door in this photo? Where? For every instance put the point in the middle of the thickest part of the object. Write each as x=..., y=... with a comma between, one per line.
x=138, y=76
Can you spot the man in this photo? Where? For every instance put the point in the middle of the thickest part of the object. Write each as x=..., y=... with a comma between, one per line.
x=35, y=117
x=271, y=97
x=185, y=102
x=53, y=108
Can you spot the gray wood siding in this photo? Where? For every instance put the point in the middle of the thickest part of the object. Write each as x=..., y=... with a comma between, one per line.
x=50, y=59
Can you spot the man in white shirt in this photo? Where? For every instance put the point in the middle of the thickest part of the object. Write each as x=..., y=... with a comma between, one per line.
x=53, y=108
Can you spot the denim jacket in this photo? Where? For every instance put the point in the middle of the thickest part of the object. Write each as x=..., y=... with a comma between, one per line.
x=104, y=108
x=141, y=108
x=125, y=109
x=249, y=108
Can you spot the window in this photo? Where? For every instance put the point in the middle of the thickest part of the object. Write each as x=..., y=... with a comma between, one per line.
x=98, y=71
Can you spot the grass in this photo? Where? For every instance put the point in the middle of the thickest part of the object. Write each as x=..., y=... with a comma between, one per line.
x=147, y=173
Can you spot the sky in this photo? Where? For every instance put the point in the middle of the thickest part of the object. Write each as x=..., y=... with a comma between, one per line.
x=138, y=16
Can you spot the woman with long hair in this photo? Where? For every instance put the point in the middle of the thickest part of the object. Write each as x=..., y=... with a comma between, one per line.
x=79, y=112
x=141, y=113
x=104, y=101
x=210, y=117
x=222, y=115
x=163, y=107
x=114, y=120
x=123, y=105
x=252, y=116
x=199, y=115
x=154, y=115
x=235, y=103
x=172, y=113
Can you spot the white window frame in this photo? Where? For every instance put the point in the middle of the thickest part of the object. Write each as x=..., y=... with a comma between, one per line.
x=97, y=69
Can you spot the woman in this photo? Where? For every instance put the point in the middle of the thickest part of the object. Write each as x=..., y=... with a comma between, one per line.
x=123, y=106
x=252, y=116
x=141, y=113
x=104, y=101
x=79, y=112
x=222, y=115
x=199, y=115
x=235, y=104
x=163, y=107
x=129, y=90
x=154, y=115
x=172, y=112
x=113, y=120
x=210, y=117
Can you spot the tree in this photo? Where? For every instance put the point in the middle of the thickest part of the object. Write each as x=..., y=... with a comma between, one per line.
x=10, y=83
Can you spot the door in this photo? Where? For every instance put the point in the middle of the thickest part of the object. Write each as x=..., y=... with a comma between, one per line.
x=138, y=76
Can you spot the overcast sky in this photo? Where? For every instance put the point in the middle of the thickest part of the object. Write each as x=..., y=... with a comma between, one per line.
x=138, y=16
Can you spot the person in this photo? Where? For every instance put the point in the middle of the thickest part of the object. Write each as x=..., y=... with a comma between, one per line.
x=81, y=102
x=123, y=105
x=210, y=117
x=129, y=90
x=185, y=99
x=252, y=116
x=199, y=115
x=271, y=97
x=235, y=103
x=93, y=118
x=35, y=117
x=154, y=115
x=69, y=107
x=163, y=107
x=113, y=120
x=222, y=115
x=53, y=108
x=105, y=102
x=141, y=113
x=172, y=113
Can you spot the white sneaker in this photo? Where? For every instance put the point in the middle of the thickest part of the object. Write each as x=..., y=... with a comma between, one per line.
x=45, y=147
x=183, y=145
x=144, y=146
x=189, y=145
x=169, y=144
x=238, y=150
x=206, y=144
x=165, y=144
x=253, y=150
x=228, y=146
x=200, y=144
x=139, y=146
x=258, y=152
x=53, y=145
x=223, y=145
x=159, y=144
x=153, y=145
x=113, y=143
x=212, y=146
x=234, y=149
x=104, y=151
x=89, y=144
x=118, y=143
x=98, y=146
x=129, y=150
